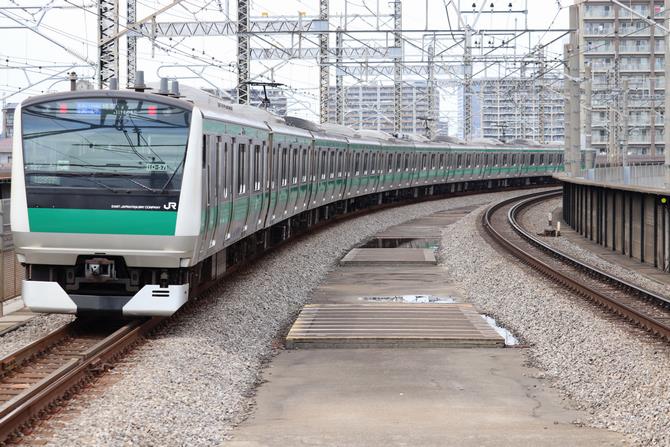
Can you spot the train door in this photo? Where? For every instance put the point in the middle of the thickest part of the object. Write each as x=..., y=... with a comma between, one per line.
x=266, y=173
x=214, y=159
x=275, y=182
x=241, y=188
x=208, y=216
x=305, y=178
x=376, y=171
x=284, y=176
x=255, y=184
x=226, y=170
x=332, y=174
x=324, y=173
x=339, y=183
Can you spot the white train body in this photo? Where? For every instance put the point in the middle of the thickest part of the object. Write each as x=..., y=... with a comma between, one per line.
x=127, y=202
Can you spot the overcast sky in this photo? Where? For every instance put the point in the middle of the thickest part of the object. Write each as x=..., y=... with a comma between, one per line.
x=213, y=58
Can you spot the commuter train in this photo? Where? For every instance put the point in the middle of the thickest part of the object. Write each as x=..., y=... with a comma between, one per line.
x=127, y=201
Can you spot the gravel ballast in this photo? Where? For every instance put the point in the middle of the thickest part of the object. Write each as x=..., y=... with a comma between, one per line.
x=535, y=220
x=194, y=380
x=617, y=374
x=35, y=328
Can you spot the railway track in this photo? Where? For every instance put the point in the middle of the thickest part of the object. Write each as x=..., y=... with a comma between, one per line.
x=36, y=377
x=645, y=308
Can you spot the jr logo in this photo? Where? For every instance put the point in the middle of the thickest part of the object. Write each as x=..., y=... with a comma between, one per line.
x=170, y=206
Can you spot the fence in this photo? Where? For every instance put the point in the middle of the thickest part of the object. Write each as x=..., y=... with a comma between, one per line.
x=12, y=270
x=649, y=176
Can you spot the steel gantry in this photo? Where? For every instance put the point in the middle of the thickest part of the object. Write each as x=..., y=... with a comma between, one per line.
x=397, y=63
x=131, y=51
x=108, y=49
x=324, y=67
x=243, y=51
x=339, y=80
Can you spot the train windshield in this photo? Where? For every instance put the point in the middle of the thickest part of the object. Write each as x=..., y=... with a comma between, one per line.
x=109, y=143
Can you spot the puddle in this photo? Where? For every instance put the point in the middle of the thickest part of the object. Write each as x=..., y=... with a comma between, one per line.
x=415, y=299
x=431, y=244
x=510, y=340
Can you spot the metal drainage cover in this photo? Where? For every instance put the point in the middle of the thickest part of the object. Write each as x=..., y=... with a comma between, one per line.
x=391, y=325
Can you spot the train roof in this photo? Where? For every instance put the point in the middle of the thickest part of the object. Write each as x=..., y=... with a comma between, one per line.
x=216, y=107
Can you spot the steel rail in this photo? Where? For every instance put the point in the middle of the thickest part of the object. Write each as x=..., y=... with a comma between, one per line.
x=577, y=273
x=42, y=396
x=39, y=397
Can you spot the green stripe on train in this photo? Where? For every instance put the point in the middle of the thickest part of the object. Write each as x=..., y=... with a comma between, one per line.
x=63, y=220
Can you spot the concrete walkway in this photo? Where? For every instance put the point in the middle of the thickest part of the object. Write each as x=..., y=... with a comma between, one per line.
x=410, y=397
x=407, y=396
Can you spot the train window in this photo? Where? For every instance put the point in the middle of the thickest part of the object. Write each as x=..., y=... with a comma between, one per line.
x=241, y=164
x=365, y=163
x=225, y=169
x=313, y=160
x=390, y=162
x=532, y=159
x=398, y=162
x=294, y=166
x=423, y=162
x=432, y=161
x=333, y=160
x=513, y=159
x=357, y=163
x=373, y=164
x=303, y=168
x=257, y=167
x=284, y=166
x=541, y=159
x=406, y=162
x=459, y=161
x=324, y=160
x=441, y=164
x=340, y=162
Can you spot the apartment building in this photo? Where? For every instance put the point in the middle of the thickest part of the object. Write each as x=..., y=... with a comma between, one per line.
x=510, y=108
x=619, y=45
x=370, y=106
x=7, y=129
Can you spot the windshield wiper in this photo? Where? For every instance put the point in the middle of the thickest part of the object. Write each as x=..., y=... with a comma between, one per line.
x=173, y=174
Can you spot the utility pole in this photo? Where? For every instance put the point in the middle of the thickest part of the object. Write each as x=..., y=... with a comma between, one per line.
x=430, y=122
x=540, y=97
x=567, y=156
x=575, y=109
x=624, y=125
x=587, y=108
x=324, y=68
x=611, y=136
x=397, y=67
x=243, y=51
x=339, y=79
x=467, y=85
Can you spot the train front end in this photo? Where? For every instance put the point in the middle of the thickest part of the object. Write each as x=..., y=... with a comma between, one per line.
x=98, y=209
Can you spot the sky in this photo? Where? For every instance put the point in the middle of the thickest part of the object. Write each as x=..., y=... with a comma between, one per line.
x=33, y=63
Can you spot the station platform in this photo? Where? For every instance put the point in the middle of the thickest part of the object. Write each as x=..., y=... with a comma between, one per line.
x=625, y=210
x=379, y=359
x=14, y=315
